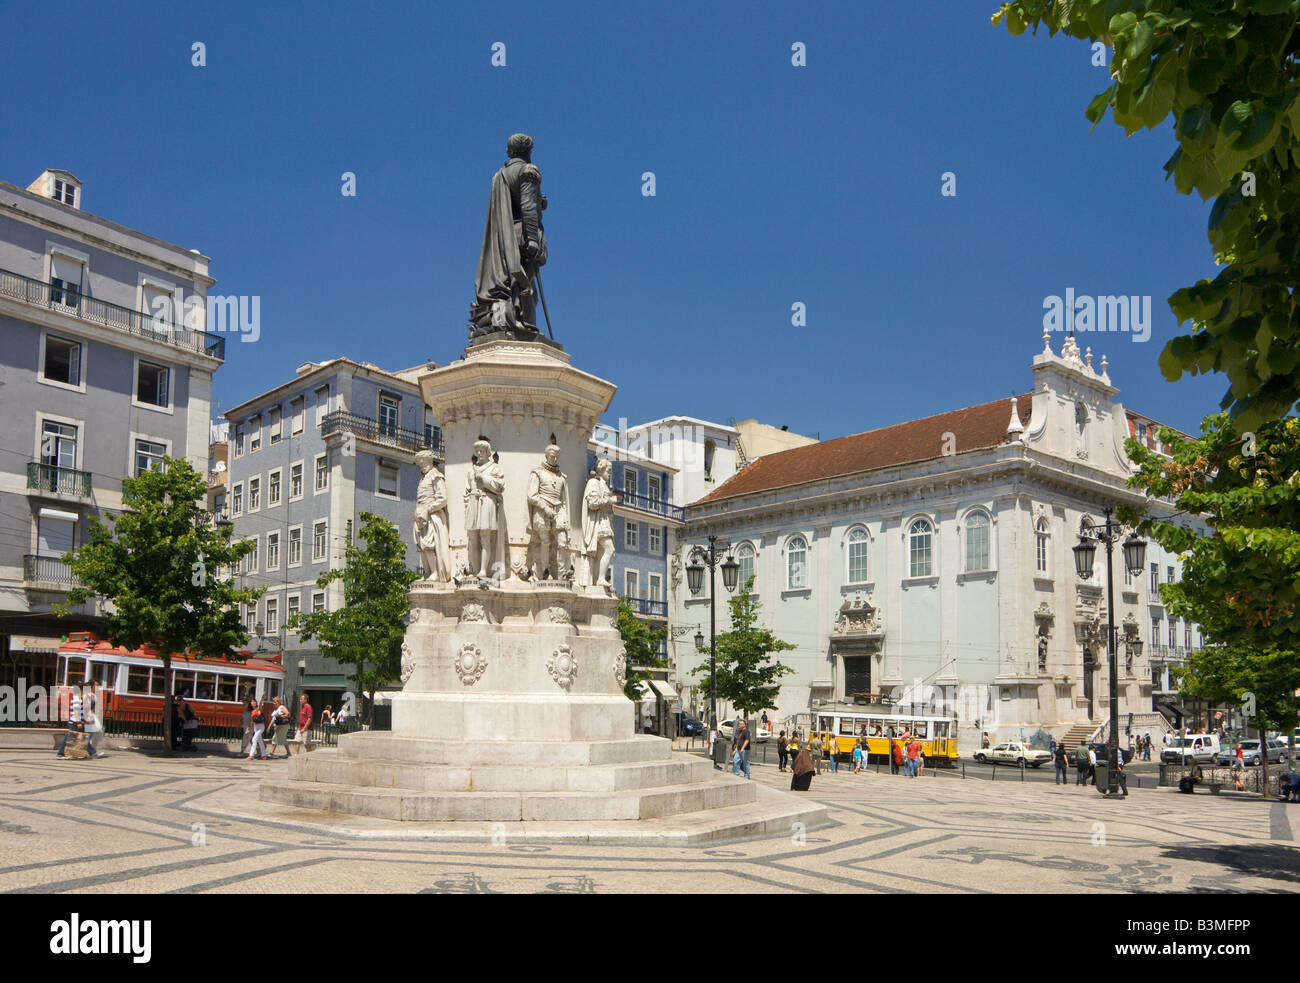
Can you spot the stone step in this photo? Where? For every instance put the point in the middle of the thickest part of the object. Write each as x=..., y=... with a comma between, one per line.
x=383, y=744
x=418, y=806
x=331, y=767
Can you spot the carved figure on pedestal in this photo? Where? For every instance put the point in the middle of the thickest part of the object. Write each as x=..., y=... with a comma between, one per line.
x=1042, y=652
x=485, y=531
x=548, y=519
x=431, y=520
x=598, y=522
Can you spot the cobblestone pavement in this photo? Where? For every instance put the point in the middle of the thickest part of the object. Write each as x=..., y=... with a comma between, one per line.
x=118, y=825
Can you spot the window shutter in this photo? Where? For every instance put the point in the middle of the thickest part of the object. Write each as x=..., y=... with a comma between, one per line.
x=164, y=398
x=74, y=365
x=66, y=269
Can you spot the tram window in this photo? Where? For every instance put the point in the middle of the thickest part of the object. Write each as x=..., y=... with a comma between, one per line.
x=825, y=723
x=848, y=726
x=226, y=688
x=183, y=683
x=137, y=680
x=76, y=673
x=941, y=728
x=157, y=683
x=207, y=686
x=922, y=729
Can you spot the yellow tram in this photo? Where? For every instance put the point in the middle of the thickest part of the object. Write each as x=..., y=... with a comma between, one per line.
x=846, y=725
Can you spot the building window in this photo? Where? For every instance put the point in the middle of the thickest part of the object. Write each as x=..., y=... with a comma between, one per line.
x=656, y=540
x=745, y=557
x=65, y=280
x=629, y=480
x=387, y=484
x=237, y=499
x=1155, y=633
x=322, y=473
x=292, y=611
x=390, y=411
x=859, y=544
x=65, y=192
x=1169, y=575
x=149, y=456
x=630, y=581
x=1187, y=636
x=796, y=563
x=920, y=549
x=151, y=384
x=654, y=591
x=272, y=614
x=297, y=407
x=1040, y=547
x=254, y=494
x=652, y=488
x=1173, y=633
x=322, y=404
x=318, y=541
x=250, y=561
x=631, y=534
x=317, y=602
x=295, y=481
x=239, y=440
x=295, y=546
x=62, y=361
x=273, y=489
x=273, y=422
x=58, y=444
x=254, y=433
x=273, y=551
x=977, y=541
x=1155, y=581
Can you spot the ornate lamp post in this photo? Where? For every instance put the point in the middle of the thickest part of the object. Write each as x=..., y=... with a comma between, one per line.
x=699, y=558
x=1135, y=558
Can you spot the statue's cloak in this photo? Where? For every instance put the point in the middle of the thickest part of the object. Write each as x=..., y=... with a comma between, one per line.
x=499, y=263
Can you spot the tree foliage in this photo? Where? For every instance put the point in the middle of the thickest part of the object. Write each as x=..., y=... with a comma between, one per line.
x=746, y=675
x=158, y=563
x=367, y=631
x=1241, y=582
x=1226, y=72
x=640, y=649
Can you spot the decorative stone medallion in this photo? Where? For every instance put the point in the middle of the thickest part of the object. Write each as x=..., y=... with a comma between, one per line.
x=559, y=615
x=473, y=611
x=620, y=671
x=470, y=664
x=562, y=666
x=408, y=663
x=414, y=616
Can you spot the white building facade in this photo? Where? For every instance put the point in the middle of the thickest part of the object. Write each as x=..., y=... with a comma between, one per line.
x=931, y=562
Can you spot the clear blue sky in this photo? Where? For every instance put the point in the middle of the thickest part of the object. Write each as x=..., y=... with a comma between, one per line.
x=775, y=185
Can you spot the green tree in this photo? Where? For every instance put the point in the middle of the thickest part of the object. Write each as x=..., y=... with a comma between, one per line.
x=158, y=563
x=1241, y=581
x=367, y=631
x=1226, y=72
x=640, y=649
x=746, y=675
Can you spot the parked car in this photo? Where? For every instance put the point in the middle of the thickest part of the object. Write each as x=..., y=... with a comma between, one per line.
x=1014, y=753
x=1191, y=747
x=1250, y=752
x=1072, y=756
x=761, y=734
x=689, y=726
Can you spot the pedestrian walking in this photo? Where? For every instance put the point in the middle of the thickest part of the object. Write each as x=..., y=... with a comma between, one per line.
x=256, y=745
x=189, y=725
x=920, y=764
x=280, y=727
x=913, y=752
x=782, y=751
x=1051, y=747
x=76, y=730
x=803, y=770
x=304, y=721
x=1062, y=763
x=1081, y=765
x=1092, y=766
x=895, y=756
x=832, y=748
x=246, y=718
x=741, y=758
x=94, y=727
x=1238, y=771
x=857, y=757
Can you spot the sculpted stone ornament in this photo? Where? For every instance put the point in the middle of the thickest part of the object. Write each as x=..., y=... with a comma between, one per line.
x=484, y=519
x=473, y=611
x=548, y=519
x=559, y=615
x=857, y=616
x=470, y=664
x=514, y=247
x=431, y=520
x=562, y=666
x=598, y=523
x=620, y=672
x=408, y=663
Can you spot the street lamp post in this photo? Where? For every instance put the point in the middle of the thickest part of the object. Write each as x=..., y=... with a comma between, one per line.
x=699, y=558
x=1134, y=558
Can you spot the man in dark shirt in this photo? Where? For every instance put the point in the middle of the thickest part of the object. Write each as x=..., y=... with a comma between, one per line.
x=1062, y=762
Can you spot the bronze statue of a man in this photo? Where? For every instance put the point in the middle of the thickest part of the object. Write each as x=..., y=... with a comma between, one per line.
x=514, y=246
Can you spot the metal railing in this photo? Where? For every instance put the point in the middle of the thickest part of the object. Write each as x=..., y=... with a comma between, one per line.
x=78, y=305
x=61, y=481
x=652, y=506
x=49, y=570
x=370, y=429
x=651, y=609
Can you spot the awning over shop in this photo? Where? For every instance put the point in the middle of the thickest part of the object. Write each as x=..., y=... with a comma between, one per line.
x=325, y=681
x=659, y=688
x=34, y=643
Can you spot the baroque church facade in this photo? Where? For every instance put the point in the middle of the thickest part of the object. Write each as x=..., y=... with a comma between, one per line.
x=930, y=563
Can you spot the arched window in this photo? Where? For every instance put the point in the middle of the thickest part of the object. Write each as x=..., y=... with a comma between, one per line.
x=920, y=537
x=796, y=563
x=977, y=541
x=1040, y=546
x=709, y=448
x=745, y=557
x=857, y=545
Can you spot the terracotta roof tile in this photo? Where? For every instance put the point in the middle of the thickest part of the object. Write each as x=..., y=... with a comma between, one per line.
x=984, y=425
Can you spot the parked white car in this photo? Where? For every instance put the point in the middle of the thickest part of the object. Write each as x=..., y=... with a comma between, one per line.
x=1191, y=747
x=728, y=727
x=1014, y=752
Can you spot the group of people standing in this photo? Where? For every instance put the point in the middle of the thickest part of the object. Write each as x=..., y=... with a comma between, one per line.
x=906, y=755
x=256, y=720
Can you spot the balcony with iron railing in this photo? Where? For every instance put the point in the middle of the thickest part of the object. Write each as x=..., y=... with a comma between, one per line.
x=651, y=506
x=49, y=479
x=383, y=434
x=49, y=572
x=34, y=293
x=649, y=609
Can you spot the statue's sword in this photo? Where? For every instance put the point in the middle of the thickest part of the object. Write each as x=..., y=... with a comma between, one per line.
x=537, y=277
